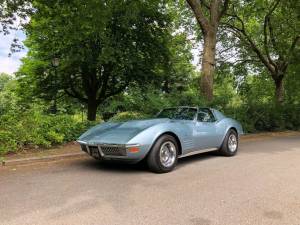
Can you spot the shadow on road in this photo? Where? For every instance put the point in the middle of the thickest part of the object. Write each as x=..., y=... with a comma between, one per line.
x=196, y=158
x=114, y=166
x=111, y=166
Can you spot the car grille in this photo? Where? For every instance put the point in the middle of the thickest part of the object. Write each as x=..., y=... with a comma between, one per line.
x=93, y=148
x=114, y=150
x=106, y=150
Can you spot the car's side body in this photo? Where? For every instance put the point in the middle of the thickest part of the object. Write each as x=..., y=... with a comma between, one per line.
x=192, y=136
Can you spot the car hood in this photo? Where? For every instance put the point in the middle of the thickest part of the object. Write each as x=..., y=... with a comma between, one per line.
x=117, y=133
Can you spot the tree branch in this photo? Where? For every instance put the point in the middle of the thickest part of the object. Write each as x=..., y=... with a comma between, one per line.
x=266, y=47
x=197, y=9
x=73, y=92
x=272, y=37
x=291, y=50
x=251, y=43
x=225, y=7
x=266, y=24
x=214, y=11
x=205, y=4
x=76, y=95
x=117, y=90
x=244, y=61
x=106, y=72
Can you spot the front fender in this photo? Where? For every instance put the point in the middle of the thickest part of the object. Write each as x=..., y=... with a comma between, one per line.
x=147, y=137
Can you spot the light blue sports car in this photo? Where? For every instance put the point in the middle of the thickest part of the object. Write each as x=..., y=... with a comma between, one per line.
x=173, y=133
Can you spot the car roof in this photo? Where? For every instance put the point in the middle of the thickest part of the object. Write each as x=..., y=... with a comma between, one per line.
x=178, y=107
x=192, y=107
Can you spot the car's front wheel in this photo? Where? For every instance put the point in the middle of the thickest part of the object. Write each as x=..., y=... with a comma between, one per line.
x=230, y=144
x=163, y=155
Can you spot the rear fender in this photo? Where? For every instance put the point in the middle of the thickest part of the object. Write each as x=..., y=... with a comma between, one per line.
x=226, y=124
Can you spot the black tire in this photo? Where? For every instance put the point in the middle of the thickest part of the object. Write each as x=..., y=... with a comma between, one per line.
x=154, y=159
x=225, y=149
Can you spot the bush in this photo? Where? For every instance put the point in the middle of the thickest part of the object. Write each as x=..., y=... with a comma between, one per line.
x=255, y=112
x=7, y=141
x=150, y=102
x=266, y=117
x=34, y=128
x=24, y=124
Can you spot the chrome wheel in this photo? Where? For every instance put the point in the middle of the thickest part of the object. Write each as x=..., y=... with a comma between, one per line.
x=232, y=143
x=167, y=154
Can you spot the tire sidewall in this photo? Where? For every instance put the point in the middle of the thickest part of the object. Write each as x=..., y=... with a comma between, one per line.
x=155, y=153
x=225, y=148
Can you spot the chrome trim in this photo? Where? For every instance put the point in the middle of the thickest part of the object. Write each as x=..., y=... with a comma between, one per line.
x=89, y=151
x=102, y=154
x=198, y=152
x=82, y=142
x=232, y=143
x=111, y=145
x=100, y=151
x=167, y=154
x=132, y=145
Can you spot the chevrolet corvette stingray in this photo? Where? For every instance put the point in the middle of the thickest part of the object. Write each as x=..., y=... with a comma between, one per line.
x=171, y=134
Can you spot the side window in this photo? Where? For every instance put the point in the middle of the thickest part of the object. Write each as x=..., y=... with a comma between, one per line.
x=205, y=115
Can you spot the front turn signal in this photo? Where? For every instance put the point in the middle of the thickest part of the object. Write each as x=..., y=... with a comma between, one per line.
x=133, y=149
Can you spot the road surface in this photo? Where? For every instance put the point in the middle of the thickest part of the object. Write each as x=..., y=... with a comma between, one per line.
x=260, y=185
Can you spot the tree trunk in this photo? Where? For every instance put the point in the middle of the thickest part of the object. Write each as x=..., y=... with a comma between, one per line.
x=92, y=109
x=208, y=65
x=279, y=91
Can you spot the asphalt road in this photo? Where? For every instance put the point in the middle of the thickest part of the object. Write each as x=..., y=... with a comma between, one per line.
x=260, y=185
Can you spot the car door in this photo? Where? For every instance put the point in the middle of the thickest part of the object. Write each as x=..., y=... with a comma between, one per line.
x=184, y=125
x=205, y=130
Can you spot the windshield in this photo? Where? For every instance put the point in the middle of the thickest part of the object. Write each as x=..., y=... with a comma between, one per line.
x=178, y=113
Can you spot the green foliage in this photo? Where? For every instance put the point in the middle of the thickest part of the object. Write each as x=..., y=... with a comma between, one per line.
x=7, y=142
x=251, y=103
x=266, y=117
x=151, y=101
x=34, y=128
x=4, y=79
x=24, y=127
x=103, y=46
x=265, y=35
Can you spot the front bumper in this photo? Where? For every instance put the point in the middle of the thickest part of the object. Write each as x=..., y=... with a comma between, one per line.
x=120, y=152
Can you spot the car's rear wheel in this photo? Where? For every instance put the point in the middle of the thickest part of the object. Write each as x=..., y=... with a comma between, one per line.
x=230, y=144
x=163, y=155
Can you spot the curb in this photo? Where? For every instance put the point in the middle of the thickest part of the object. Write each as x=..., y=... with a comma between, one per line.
x=30, y=160
x=267, y=136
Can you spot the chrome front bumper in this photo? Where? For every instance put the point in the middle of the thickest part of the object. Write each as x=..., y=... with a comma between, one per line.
x=106, y=151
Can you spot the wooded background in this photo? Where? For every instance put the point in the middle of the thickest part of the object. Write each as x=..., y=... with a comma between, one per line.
x=93, y=60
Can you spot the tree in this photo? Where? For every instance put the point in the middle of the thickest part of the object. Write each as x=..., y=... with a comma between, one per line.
x=103, y=46
x=208, y=15
x=10, y=11
x=270, y=30
x=4, y=79
x=177, y=71
x=13, y=16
